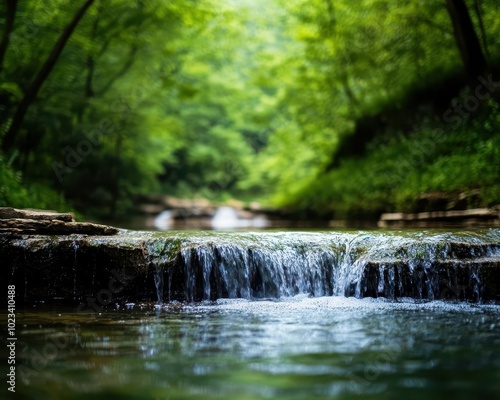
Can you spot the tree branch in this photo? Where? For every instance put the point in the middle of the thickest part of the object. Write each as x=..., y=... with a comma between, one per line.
x=484, y=39
x=121, y=72
x=466, y=39
x=426, y=21
x=32, y=92
x=9, y=26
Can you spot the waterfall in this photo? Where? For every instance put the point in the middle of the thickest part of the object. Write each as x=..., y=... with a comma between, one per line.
x=158, y=278
x=275, y=265
x=75, y=247
x=163, y=220
x=228, y=218
x=158, y=253
x=195, y=266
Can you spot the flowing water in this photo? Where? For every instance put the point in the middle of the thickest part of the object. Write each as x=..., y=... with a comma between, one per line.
x=422, y=265
x=264, y=315
x=298, y=348
x=196, y=266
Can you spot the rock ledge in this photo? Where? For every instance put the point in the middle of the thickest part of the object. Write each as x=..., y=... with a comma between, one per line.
x=36, y=222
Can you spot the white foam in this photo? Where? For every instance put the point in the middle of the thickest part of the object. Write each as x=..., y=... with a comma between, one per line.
x=304, y=304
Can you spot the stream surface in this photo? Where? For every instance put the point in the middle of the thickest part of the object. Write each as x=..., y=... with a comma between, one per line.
x=294, y=348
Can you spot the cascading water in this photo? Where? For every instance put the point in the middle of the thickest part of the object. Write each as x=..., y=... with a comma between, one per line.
x=274, y=265
x=158, y=266
x=75, y=247
x=194, y=266
x=227, y=218
x=163, y=220
x=158, y=278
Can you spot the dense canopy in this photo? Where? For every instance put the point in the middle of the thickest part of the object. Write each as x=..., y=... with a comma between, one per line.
x=340, y=108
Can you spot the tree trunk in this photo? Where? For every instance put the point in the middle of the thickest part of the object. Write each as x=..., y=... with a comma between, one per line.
x=32, y=92
x=467, y=41
x=9, y=26
x=484, y=38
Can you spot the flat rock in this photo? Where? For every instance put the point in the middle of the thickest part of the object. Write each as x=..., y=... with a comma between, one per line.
x=9, y=213
x=35, y=222
x=479, y=216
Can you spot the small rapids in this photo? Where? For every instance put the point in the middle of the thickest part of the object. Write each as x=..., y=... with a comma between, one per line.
x=278, y=265
x=206, y=266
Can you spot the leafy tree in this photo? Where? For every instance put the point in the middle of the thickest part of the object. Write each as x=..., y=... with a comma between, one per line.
x=40, y=78
x=467, y=41
x=312, y=105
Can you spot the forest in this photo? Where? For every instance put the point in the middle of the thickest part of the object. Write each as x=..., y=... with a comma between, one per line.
x=342, y=109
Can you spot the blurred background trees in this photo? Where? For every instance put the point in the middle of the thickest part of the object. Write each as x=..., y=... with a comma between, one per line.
x=331, y=108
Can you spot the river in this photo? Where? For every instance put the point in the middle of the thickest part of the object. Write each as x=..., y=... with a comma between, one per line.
x=297, y=348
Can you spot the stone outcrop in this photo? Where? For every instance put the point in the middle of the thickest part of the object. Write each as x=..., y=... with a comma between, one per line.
x=10, y=213
x=473, y=217
x=194, y=266
x=35, y=222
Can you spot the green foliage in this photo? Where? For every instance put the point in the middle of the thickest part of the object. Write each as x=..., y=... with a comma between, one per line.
x=394, y=174
x=120, y=70
x=249, y=99
x=366, y=60
x=16, y=193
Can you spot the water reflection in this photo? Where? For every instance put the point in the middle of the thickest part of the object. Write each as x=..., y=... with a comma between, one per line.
x=294, y=349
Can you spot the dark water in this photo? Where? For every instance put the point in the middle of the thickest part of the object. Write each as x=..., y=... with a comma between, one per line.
x=301, y=348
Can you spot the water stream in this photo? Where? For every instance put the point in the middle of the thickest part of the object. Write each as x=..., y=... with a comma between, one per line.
x=298, y=348
x=196, y=266
x=263, y=315
x=277, y=265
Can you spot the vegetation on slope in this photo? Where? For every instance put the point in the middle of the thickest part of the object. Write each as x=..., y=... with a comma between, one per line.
x=330, y=107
